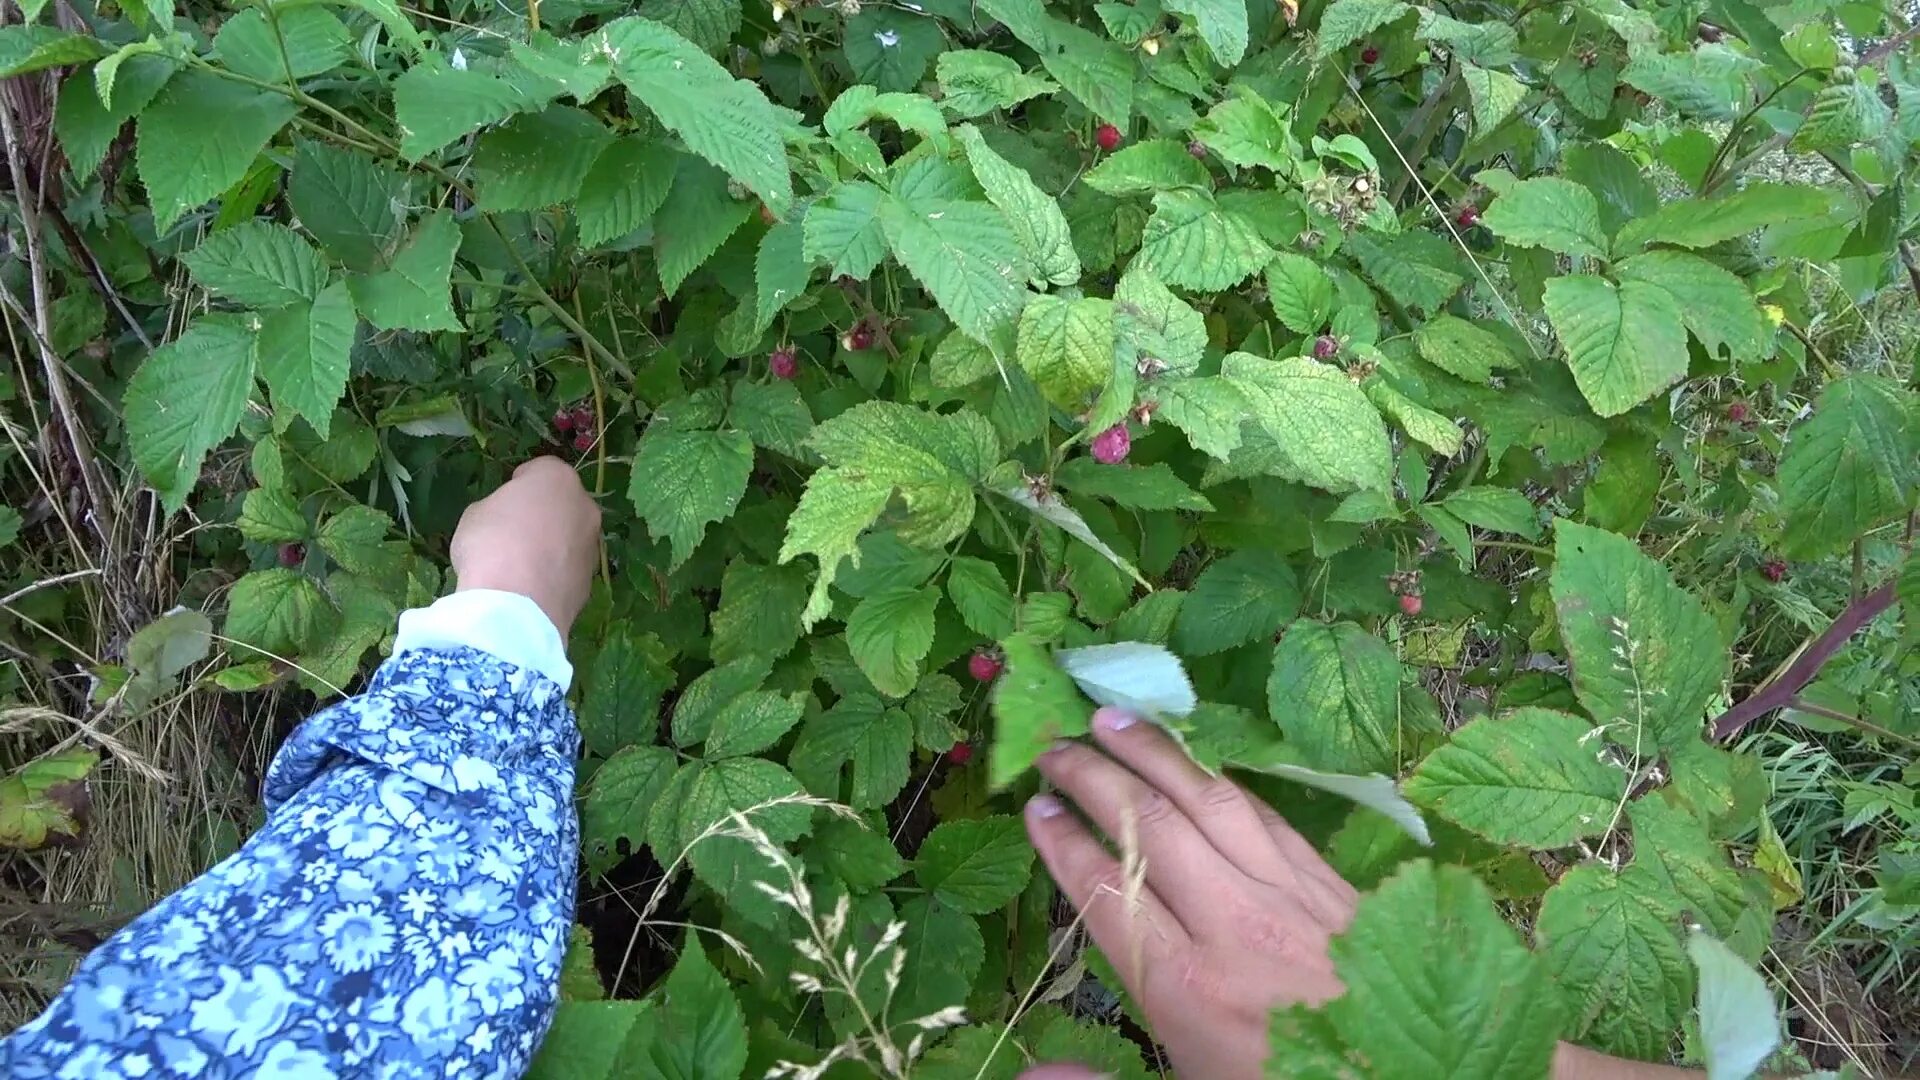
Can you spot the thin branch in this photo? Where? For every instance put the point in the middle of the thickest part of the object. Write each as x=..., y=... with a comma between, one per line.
x=1854, y=722
x=1779, y=691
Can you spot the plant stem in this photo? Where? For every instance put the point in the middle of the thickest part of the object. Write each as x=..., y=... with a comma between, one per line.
x=1867, y=726
x=1780, y=690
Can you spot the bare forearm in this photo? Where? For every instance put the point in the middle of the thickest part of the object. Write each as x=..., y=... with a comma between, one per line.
x=1572, y=1062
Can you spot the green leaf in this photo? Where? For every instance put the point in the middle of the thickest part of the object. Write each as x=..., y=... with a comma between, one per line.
x=185, y=400
x=351, y=203
x=1208, y=409
x=1427, y=427
x=1222, y=25
x=353, y=538
x=725, y=120
x=1698, y=223
x=25, y=49
x=843, y=230
x=974, y=82
x=889, y=633
x=1853, y=465
x=1468, y=1000
x=705, y=795
x=1301, y=293
x=414, y=292
x=583, y=74
x=277, y=44
x=709, y=24
x=877, y=449
x=862, y=731
x=966, y=255
x=1335, y=693
x=1714, y=304
x=698, y=1031
x=47, y=797
x=1646, y=657
x=623, y=188
x=269, y=516
x=981, y=596
x=620, y=701
x=1495, y=508
x=618, y=800
x=184, y=160
x=1249, y=595
x=1461, y=348
x=1691, y=874
x=305, y=352
x=87, y=128
x=435, y=103
x=861, y=858
x=759, y=612
x=1328, y=430
x=1417, y=269
x=1067, y=346
x=890, y=48
x=1152, y=322
x=945, y=951
x=1612, y=946
x=587, y=1038
x=1036, y=219
x=975, y=866
x=1142, y=487
x=539, y=159
x=1552, y=213
x=170, y=644
x=1147, y=167
x=1034, y=704
x=1708, y=83
x=1097, y=72
x=282, y=612
x=773, y=415
x=1347, y=21
x=1533, y=778
x=1842, y=113
x=1739, y=1022
x=696, y=218
x=1494, y=95
x=1191, y=242
x=685, y=480
x=752, y=722
x=1625, y=343
x=259, y=264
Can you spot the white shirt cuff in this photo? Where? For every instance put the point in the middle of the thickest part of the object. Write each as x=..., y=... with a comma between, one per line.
x=505, y=625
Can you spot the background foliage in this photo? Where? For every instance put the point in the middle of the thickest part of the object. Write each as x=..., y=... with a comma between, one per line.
x=1513, y=401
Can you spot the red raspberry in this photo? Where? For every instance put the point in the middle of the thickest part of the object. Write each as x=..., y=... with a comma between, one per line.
x=583, y=417
x=1197, y=149
x=1410, y=604
x=583, y=442
x=563, y=421
x=1468, y=217
x=984, y=667
x=1370, y=55
x=782, y=363
x=1108, y=137
x=1110, y=446
x=292, y=555
x=1774, y=570
x=858, y=339
x=767, y=215
x=1326, y=347
x=1737, y=412
x=960, y=754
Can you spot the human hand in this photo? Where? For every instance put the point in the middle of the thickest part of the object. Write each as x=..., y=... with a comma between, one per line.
x=538, y=535
x=1231, y=914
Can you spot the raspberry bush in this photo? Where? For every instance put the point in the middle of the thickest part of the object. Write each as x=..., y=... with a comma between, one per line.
x=1492, y=399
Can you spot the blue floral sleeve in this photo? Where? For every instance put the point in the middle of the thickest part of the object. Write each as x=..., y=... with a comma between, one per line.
x=403, y=912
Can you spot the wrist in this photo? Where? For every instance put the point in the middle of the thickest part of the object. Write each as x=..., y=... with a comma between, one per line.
x=504, y=580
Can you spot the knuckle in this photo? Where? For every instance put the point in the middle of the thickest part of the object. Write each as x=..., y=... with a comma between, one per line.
x=1154, y=811
x=1220, y=797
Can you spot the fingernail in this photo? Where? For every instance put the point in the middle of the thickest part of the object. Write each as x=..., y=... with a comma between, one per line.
x=1042, y=807
x=1114, y=719
x=1059, y=745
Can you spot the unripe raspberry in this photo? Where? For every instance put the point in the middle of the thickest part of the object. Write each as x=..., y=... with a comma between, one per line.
x=783, y=363
x=1326, y=347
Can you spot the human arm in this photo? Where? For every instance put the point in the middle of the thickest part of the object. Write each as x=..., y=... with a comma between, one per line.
x=1232, y=915
x=406, y=903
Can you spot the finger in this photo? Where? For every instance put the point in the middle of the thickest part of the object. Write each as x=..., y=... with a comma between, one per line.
x=1183, y=868
x=1060, y=1072
x=546, y=468
x=1129, y=923
x=1329, y=896
x=1218, y=807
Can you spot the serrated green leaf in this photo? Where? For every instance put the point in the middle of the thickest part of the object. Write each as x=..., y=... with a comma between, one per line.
x=1192, y=242
x=684, y=481
x=1222, y=25
x=618, y=800
x=414, y=292
x=625, y=185
x=860, y=104
x=705, y=795
x=1209, y=409
x=1610, y=944
x=259, y=264
x=1429, y=428
x=353, y=538
x=863, y=733
x=435, y=103
x=184, y=160
x=1854, y=464
x=1625, y=343
x=185, y=400
x=1549, y=212
x=282, y=612
x=709, y=24
x=966, y=255
x=1347, y=21
x=1247, y=596
x=1494, y=95
x=1323, y=423
x=25, y=49
x=698, y=1031
x=1698, y=223
x=581, y=73
x=537, y=160
x=278, y=44
x=1842, y=113
x=1152, y=322
x=1495, y=508
x=1335, y=693
x=1142, y=487
x=697, y=217
x=1713, y=303
x=87, y=128
x=620, y=701
x=725, y=120
x=1739, y=1022
x=843, y=230
x=975, y=866
x=270, y=516
x=1036, y=219
x=750, y=723
x=351, y=203
x=1646, y=657
x=974, y=82
x=1097, y=72
x=1707, y=83
x=1301, y=293
x=1460, y=348
x=1067, y=346
x=759, y=612
x=305, y=352
x=889, y=633
x=1146, y=167
x=1034, y=705
x=1534, y=778
x=1419, y=269
x=979, y=593
x=861, y=858
x=890, y=47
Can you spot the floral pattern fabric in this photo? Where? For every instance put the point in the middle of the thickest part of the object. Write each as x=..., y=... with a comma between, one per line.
x=403, y=913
